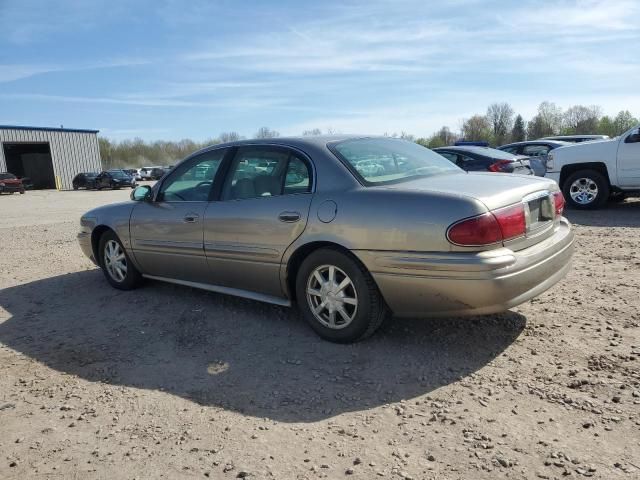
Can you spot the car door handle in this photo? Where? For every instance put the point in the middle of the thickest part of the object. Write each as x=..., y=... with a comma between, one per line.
x=191, y=218
x=289, y=217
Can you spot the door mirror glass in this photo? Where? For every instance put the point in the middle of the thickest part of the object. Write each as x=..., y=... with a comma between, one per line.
x=141, y=193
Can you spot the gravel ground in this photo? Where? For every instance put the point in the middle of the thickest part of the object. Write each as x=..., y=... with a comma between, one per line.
x=170, y=382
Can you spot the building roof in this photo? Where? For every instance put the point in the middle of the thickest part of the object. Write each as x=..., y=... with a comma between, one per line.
x=46, y=129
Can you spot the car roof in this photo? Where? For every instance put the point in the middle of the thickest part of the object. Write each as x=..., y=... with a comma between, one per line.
x=560, y=137
x=559, y=143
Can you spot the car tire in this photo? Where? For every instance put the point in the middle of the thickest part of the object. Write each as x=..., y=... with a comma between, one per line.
x=75, y=187
x=358, y=308
x=586, y=190
x=121, y=275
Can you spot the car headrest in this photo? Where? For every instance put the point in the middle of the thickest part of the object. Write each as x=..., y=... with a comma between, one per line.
x=267, y=185
x=243, y=188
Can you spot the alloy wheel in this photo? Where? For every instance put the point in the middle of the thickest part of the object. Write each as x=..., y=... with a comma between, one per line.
x=583, y=191
x=115, y=261
x=332, y=297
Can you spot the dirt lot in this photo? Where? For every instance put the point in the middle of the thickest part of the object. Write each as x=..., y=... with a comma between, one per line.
x=169, y=382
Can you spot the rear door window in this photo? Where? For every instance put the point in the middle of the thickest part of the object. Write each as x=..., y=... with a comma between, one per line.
x=266, y=172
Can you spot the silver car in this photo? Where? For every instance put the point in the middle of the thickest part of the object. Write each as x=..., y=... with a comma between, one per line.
x=306, y=220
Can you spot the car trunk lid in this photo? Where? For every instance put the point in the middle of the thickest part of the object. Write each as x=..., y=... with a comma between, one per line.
x=496, y=191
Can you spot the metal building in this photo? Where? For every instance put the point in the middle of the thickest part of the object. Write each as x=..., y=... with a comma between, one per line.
x=50, y=157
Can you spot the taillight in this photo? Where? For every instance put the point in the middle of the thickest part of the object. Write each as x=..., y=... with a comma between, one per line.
x=512, y=221
x=558, y=200
x=489, y=228
x=476, y=231
x=499, y=166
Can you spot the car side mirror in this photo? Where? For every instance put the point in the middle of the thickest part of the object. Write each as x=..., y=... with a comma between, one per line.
x=141, y=193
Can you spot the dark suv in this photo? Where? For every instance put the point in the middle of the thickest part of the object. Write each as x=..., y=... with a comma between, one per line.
x=9, y=183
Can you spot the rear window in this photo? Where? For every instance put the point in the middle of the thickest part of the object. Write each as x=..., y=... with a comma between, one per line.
x=387, y=160
x=7, y=176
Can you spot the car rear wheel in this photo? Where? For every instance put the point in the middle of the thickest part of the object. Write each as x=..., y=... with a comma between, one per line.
x=338, y=297
x=116, y=265
x=586, y=190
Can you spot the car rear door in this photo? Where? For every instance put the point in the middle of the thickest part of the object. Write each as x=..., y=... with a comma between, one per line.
x=262, y=209
x=166, y=233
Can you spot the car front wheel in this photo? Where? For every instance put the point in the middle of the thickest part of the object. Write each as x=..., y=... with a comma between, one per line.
x=586, y=190
x=115, y=263
x=338, y=297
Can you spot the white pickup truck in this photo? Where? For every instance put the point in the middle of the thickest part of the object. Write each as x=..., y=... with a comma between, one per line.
x=591, y=173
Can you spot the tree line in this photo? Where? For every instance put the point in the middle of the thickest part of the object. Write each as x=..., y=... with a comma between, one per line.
x=501, y=125
x=498, y=126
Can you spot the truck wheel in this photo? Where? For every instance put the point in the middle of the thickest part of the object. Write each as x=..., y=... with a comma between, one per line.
x=586, y=190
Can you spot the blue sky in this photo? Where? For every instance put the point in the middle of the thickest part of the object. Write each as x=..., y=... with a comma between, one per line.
x=169, y=69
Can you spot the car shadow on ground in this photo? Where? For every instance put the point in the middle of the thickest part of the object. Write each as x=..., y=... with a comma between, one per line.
x=257, y=359
x=625, y=214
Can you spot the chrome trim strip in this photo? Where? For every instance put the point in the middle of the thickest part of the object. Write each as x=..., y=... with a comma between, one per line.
x=260, y=297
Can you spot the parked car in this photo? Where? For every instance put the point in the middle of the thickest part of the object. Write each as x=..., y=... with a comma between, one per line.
x=86, y=180
x=577, y=138
x=485, y=159
x=590, y=173
x=114, y=179
x=536, y=150
x=9, y=183
x=423, y=238
x=132, y=172
x=157, y=173
x=145, y=172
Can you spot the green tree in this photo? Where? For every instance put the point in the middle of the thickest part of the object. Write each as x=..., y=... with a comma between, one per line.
x=518, y=132
x=606, y=126
x=476, y=128
x=624, y=121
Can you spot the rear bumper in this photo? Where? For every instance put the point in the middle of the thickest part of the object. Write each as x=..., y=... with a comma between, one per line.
x=456, y=284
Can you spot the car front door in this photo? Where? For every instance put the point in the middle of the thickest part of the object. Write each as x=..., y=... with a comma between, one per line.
x=629, y=159
x=263, y=208
x=166, y=232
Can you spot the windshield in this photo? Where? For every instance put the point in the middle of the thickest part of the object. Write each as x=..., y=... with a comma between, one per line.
x=118, y=174
x=7, y=176
x=389, y=160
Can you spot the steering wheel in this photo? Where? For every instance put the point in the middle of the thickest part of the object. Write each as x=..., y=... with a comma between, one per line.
x=201, y=184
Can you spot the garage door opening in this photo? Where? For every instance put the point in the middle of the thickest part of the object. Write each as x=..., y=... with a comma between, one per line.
x=32, y=160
